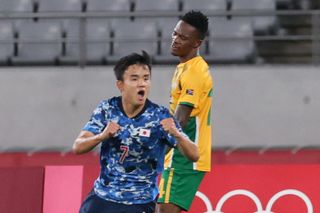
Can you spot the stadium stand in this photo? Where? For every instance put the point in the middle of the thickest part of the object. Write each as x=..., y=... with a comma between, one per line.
x=131, y=37
x=290, y=32
x=97, y=43
x=30, y=50
x=69, y=26
x=7, y=44
x=231, y=41
x=296, y=4
x=17, y=6
x=261, y=24
x=284, y=4
x=204, y=5
x=165, y=5
x=59, y=5
x=108, y=5
x=161, y=22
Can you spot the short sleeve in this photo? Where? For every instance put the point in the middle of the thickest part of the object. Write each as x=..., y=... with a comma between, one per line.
x=97, y=122
x=191, y=89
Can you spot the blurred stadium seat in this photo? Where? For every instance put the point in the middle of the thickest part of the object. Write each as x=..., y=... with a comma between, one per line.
x=204, y=5
x=68, y=24
x=285, y=4
x=59, y=5
x=16, y=5
x=231, y=41
x=6, y=41
x=108, y=5
x=133, y=37
x=97, y=43
x=297, y=4
x=270, y=25
x=164, y=5
x=261, y=24
x=38, y=42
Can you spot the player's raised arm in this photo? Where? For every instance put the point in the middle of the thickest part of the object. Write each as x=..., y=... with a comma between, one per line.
x=86, y=140
x=185, y=145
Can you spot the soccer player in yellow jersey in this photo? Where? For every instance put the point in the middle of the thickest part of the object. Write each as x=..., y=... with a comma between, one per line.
x=191, y=92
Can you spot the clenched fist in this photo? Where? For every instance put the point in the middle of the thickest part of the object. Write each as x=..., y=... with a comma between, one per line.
x=111, y=129
x=169, y=126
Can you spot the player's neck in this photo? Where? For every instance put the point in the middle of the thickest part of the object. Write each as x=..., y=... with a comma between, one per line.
x=189, y=56
x=130, y=109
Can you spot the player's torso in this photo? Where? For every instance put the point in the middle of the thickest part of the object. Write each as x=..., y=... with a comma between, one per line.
x=132, y=159
x=137, y=143
x=196, y=71
x=199, y=125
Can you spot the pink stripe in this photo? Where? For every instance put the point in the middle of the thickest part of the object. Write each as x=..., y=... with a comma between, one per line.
x=62, y=189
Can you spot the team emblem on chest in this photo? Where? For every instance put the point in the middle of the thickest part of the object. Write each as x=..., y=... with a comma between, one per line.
x=144, y=132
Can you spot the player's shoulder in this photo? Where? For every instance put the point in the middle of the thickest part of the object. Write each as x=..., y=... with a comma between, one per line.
x=107, y=103
x=198, y=64
x=202, y=64
x=156, y=107
x=201, y=61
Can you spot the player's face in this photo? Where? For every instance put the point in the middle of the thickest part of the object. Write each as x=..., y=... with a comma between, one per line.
x=185, y=39
x=135, y=85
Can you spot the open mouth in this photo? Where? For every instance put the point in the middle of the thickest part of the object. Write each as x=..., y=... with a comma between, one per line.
x=141, y=93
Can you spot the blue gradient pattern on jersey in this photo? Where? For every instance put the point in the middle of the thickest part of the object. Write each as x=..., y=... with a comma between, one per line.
x=133, y=180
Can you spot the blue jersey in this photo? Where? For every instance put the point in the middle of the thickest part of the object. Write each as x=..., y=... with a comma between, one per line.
x=131, y=160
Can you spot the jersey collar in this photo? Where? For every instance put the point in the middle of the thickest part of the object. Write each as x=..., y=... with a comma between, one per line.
x=147, y=103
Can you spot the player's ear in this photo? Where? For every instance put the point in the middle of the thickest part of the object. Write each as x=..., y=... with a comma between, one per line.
x=197, y=43
x=119, y=84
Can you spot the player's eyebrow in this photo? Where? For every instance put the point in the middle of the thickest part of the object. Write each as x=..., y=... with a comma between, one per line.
x=146, y=75
x=137, y=76
x=134, y=76
x=181, y=34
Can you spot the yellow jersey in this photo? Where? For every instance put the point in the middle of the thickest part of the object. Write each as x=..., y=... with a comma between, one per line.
x=192, y=85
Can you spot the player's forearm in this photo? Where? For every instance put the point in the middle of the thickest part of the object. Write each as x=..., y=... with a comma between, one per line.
x=188, y=149
x=85, y=144
x=182, y=114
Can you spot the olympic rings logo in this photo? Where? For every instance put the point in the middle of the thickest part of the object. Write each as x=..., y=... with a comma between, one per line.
x=255, y=199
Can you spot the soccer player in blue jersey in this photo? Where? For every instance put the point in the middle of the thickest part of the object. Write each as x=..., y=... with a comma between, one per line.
x=134, y=134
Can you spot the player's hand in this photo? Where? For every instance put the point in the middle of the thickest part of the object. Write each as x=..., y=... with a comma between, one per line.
x=111, y=129
x=169, y=126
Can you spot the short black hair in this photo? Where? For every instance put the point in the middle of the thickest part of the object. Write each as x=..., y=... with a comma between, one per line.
x=133, y=58
x=198, y=20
